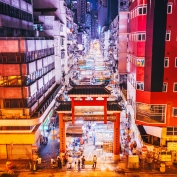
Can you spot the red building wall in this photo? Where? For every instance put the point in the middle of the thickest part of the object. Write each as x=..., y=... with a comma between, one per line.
x=138, y=49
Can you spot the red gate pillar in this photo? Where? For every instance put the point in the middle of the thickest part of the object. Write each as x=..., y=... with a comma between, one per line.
x=105, y=110
x=72, y=109
x=62, y=133
x=116, y=144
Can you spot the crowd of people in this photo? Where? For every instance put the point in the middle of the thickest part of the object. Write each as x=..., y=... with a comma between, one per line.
x=71, y=163
x=128, y=142
x=73, y=158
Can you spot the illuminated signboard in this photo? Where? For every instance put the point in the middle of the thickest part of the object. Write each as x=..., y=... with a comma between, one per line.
x=165, y=158
x=172, y=146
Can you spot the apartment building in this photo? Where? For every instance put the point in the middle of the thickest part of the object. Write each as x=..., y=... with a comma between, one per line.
x=151, y=65
x=27, y=84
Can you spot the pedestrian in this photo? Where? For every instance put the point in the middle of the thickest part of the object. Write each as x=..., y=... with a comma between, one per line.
x=83, y=162
x=59, y=163
x=64, y=160
x=52, y=162
x=134, y=151
x=79, y=165
x=70, y=160
x=94, y=161
x=75, y=165
x=81, y=141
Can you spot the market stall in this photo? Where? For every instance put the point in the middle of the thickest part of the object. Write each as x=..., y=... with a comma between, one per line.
x=104, y=140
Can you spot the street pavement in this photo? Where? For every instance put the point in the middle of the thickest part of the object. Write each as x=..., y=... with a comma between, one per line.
x=103, y=169
x=91, y=174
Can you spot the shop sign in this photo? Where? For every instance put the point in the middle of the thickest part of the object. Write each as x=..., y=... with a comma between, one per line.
x=165, y=158
x=172, y=146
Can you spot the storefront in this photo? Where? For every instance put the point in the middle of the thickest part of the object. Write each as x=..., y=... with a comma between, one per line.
x=103, y=137
x=46, y=125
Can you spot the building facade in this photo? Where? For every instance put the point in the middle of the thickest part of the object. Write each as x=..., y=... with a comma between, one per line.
x=94, y=29
x=151, y=63
x=81, y=11
x=28, y=85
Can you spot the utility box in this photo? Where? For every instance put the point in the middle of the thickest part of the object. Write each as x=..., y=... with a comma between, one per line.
x=133, y=161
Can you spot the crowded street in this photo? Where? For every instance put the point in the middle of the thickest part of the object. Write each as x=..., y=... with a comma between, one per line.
x=88, y=139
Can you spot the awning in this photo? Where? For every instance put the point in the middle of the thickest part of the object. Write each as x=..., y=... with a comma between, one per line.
x=154, y=131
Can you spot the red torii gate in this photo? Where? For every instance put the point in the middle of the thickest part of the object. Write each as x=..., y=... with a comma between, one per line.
x=93, y=91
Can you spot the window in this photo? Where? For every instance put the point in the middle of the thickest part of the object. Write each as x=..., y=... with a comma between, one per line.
x=4, y=59
x=20, y=104
x=168, y=34
x=172, y=130
x=175, y=62
x=174, y=113
x=62, y=41
x=18, y=58
x=175, y=87
x=142, y=10
x=61, y=28
x=140, y=86
x=164, y=89
x=151, y=113
x=141, y=37
x=169, y=9
x=62, y=54
x=135, y=12
x=166, y=62
x=7, y=104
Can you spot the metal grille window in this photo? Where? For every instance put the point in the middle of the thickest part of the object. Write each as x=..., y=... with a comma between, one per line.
x=150, y=113
x=171, y=131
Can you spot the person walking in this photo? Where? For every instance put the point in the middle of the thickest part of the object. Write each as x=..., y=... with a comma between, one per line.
x=79, y=165
x=65, y=160
x=70, y=160
x=59, y=163
x=75, y=165
x=94, y=161
x=83, y=162
x=52, y=162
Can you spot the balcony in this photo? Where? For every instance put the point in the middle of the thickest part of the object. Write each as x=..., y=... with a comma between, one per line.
x=26, y=57
x=32, y=100
x=46, y=102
